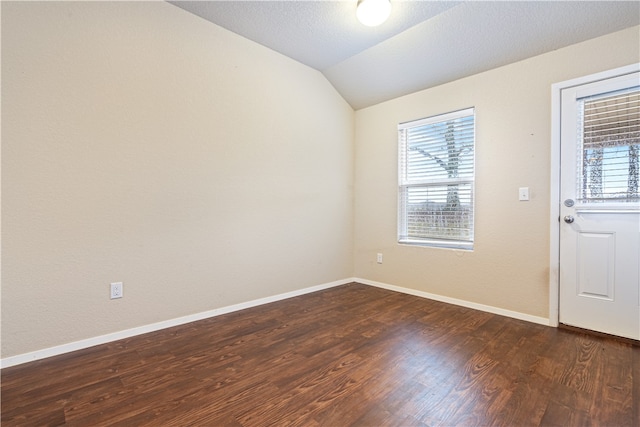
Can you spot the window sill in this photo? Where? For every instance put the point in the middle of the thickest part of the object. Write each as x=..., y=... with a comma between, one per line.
x=440, y=244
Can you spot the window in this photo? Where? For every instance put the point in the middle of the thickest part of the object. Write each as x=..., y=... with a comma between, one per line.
x=609, y=147
x=436, y=180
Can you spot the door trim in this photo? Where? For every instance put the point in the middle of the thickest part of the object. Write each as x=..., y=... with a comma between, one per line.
x=554, y=237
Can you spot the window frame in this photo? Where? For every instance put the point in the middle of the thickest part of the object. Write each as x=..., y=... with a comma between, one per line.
x=405, y=183
x=587, y=202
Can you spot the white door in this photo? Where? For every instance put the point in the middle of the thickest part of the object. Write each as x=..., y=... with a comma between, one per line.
x=600, y=206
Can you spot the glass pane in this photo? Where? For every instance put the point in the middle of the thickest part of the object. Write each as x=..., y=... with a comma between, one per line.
x=610, y=174
x=439, y=212
x=609, y=132
x=439, y=151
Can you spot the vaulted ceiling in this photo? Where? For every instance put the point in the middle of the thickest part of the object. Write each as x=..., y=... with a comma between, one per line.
x=423, y=44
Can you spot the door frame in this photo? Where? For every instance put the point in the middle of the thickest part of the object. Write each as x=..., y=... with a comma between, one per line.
x=554, y=237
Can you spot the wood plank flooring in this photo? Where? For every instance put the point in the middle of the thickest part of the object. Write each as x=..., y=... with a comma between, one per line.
x=353, y=355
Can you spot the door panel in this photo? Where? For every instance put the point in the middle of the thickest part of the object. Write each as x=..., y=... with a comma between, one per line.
x=596, y=263
x=600, y=213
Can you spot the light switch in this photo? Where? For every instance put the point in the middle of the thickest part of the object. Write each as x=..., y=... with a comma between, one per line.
x=523, y=193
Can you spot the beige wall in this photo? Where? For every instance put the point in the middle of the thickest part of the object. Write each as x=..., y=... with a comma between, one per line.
x=509, y=266
x=145, y=145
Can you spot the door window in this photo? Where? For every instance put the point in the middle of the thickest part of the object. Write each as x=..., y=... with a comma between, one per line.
x=609, y=147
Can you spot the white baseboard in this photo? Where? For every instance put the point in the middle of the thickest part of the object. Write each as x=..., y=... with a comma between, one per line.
x=455, y=301
x=103, y=339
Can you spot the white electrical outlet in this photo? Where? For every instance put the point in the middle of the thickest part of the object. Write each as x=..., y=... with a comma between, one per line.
x=117, y=290
x=379, y=258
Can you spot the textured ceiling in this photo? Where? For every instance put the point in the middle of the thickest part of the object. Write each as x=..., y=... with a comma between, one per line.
x=423, y=44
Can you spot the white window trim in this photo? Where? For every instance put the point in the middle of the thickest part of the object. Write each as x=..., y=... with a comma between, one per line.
x=439, y=243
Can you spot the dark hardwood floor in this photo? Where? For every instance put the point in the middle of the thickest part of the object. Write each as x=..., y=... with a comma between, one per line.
x=353, y=355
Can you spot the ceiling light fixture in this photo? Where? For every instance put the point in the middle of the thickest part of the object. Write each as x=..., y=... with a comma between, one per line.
x=373, y=12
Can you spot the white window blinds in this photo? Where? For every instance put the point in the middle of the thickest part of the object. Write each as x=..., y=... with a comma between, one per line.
x=436, y=180
x=609, y=148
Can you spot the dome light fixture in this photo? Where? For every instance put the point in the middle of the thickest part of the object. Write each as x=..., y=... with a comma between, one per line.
x=373, y=12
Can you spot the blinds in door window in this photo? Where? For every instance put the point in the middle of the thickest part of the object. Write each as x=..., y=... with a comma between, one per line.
x=609, y=148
